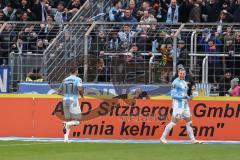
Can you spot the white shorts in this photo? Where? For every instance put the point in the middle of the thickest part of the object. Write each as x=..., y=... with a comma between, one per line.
x=71, y=108
x=181, y=113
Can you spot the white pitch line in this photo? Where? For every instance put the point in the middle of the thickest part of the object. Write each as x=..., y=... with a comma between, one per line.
x=20, y=144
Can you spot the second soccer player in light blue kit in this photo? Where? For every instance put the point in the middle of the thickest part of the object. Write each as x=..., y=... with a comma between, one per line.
x=71, y=88
x=180, y=107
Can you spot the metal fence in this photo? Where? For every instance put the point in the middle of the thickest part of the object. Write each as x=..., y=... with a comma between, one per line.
x=213, y=54
x=125, y=53
x=130, y=53
x=21, y=65
x=71, y=39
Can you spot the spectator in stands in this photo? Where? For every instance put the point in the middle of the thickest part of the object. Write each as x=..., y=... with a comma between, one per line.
x=225, y=17
x=102, y=72
x=74, y=6
x=147, y=17
x=113, y=40
x=144, y=42
x=132, y=7
x=128, y=18
x=163, y=39
x=34, y=76
x=166, y=63
x=48, y=31
x=40, y=9
x=182, y=55
x=195, y=11
x=212, y=10
x=236, y=68
x=160, y=11
x=2, y=4
x=40, y=47
x=126, y=36
x=135, y=53
x=10, y=11
x=18, y=16
x=173, y=12
x=116, y=10
x=7, y=39
x=25, y=17
x=25, y=6
x=235, y=88
x=214, y=63
x=235, y=10
x=30, y=37
x=184, y=10
x=224, y=83
x=206, y=36
x=21, y=46
x=2, y=16
x=145, y=7
x=228, y=47
x=59, y=13
x=99, y=44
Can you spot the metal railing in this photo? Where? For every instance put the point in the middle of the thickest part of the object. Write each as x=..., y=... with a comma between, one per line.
x=107, y=29
x=205, y=63
x=73, y=33
x=21, y=65
x=81, y=43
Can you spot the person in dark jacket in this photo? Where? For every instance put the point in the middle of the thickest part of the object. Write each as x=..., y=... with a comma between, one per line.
x=127, y=16
x=40, y=9
x=225, y=83
x=212, y=10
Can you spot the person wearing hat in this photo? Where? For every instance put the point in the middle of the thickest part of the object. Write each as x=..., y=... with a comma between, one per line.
x=235, y=88
x=206, y=35
x=182, y=55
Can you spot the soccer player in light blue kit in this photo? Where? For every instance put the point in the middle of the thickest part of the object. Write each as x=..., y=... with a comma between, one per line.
x=180, y=107
x=71, y=88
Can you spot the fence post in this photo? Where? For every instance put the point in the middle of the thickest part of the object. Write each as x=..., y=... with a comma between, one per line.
x=86, y=51
x=175, y=48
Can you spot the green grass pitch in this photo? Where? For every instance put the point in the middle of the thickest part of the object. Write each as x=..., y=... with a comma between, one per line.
x=16, y=150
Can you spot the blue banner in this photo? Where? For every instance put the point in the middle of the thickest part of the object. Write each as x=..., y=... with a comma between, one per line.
x=4, y=79
x=98, y=89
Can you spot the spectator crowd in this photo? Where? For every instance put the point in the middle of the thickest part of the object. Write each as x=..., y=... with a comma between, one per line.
x=44, y=20
x=140, y=41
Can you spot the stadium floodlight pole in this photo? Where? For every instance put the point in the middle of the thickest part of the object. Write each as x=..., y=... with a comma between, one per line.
x=175, y=48
x=86, y=51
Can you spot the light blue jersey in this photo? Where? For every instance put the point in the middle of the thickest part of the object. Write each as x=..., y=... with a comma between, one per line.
x=69, y=88
x=179, y=93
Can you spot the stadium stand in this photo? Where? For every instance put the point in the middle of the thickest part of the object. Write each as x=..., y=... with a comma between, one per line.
x=123, y=41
